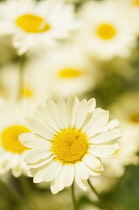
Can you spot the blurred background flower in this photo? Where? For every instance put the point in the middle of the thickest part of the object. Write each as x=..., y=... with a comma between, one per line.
x=56, y=48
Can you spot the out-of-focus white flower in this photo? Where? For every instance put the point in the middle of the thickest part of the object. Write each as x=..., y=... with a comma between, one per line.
x=34, y=85
x=133, y=9
x=68, y=138
x=11, y=125
x=126, y=109
x=126, y=155
x=37, y=23
x=23, y=84
x=66, y=71
x=106, y=31
x=10, y=79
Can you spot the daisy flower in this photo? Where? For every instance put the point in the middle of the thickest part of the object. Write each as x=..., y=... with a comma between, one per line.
x=29, y=87
x=11, y=125
x=132, y=7
x=34, y=87
x=105, y=34
x=65, y=71
x=10, y=79
x=37, y=23
x=68, y=138
x=127, y=111
x=115, y=166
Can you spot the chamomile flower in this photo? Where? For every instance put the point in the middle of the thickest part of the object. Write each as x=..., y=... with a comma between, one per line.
x=133, y=8
x=69, y=138
x=65, y=71
x=37, y=23
x=126, y=155
x=106, y=31
x=29, y=87
x=127, y=111
x=11, y=125
x=34, y=86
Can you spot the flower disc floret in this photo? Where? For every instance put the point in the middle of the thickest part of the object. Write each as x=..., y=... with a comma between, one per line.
x=70, y=145
x=106, y=31
x=32, y=23
x=9, y=138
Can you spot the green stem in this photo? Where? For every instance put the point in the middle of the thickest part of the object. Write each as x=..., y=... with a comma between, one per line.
x=102, y=202
x=94, y=190
x=73, y=196
x=22, y=65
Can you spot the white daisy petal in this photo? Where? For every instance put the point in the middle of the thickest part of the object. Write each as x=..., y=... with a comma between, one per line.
x=81, y=183
x=52, y=108
x=102, y=151
x=68, y=180
x=35, y=155
x=39, y=128
x=37, y=173
x=98, y=121
x=52, y=170
x=92, y=162
x=17, y=171
x=48, y=118
x=72, y=104
x=61, y=107
x=94, y=172
x=41, y=162
x=81, y=114
x=88, y=118
x=32, y=140
x=38, y=177
x=81, y=171
x=91, y=105
x=57, y=184
x=104, y=137
x=111, y=125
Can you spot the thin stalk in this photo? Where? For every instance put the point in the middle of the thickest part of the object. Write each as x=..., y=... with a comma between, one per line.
x=94, y=190
x=73, y=196
x=22, y=66
x=102, y=202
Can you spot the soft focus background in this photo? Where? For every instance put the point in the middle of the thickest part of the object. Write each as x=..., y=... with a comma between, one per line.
x=91, y=49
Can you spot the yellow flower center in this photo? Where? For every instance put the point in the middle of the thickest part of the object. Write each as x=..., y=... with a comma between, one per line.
x=70, y=145
x=134, y=118
x=32, y=23
x=106, y=31
x=69, y=73
x=26, y=92
x=136, y=3
x=9, y=138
